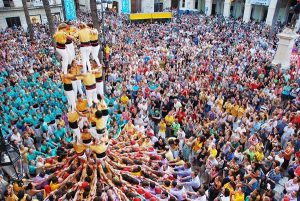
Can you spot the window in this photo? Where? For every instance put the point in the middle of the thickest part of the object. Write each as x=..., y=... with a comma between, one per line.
x=8, y=3
x=196, y=4
x=158, y=6
x=183, y=4
x=13, y=21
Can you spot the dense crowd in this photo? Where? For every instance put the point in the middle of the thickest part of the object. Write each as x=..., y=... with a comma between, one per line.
x=193, y=111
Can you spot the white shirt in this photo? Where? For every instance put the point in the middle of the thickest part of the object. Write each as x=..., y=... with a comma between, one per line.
x=16, y=137
x=280, y=160
x=177, y=105
x=225, y=198
x=200, y=198
x=288, y=131
x=290, y=186
x=181, y=135
x=211, y=163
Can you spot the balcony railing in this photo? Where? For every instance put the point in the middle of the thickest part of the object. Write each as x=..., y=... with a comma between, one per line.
x=38, y=3
x=9, y=4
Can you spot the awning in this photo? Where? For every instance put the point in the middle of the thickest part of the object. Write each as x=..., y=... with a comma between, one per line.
x=140, y=16
x=165, y=15
x=147, y=16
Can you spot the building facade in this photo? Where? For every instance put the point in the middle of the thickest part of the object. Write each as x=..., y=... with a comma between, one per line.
x=260, y=10
x=12, y=13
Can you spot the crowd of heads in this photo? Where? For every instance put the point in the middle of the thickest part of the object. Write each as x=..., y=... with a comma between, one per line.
x=196, y=111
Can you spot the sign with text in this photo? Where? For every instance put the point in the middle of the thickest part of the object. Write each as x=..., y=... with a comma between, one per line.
x=70, y=9
x=125, y=6
x=260, y=2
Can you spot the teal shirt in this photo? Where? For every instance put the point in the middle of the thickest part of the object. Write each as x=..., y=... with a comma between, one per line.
x=33, y=155
x=32, y=169
x=60, y=133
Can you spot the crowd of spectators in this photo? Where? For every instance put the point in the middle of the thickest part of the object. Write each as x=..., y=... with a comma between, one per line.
x=196, y=112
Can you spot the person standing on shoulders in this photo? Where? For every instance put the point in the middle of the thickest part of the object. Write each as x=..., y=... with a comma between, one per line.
x=60, y=37
x=70, y=30
x=94, y=43
x=85, y=45
x=68, y=88
x=89, y=82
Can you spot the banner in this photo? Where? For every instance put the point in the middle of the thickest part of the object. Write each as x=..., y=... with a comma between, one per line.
x=260, y=2
x=70, y=9
x=125, y=7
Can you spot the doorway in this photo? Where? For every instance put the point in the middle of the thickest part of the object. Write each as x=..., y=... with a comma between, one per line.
x=116, y=6
x=174, y=4
x=213, y=9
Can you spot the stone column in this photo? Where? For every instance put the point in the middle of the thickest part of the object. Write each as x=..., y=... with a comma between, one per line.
x=147, y=6
x=167, y=4
x=247, y=11
x=227, y=5
x=208, y=7
x=285, y=46
x=271, y=12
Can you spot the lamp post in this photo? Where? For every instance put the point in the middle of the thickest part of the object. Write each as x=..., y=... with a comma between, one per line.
x=10, y=159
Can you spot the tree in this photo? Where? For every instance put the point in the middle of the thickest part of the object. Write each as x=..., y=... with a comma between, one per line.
x=49, y=16
x=27, y=17
x=63, y=8
x=94, y=12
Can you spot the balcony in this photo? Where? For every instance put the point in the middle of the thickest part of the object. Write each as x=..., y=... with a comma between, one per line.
x=38, y=3
x=9, y=5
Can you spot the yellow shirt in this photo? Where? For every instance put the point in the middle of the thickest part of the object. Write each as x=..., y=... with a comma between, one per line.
x=197, y=146
x=54, y=186
x=65, y=79
x=129, y=128
x=137, y=174
x=71, y=31
x=162, y=127
x=17, y=188
x=124, y=100
x=102, y=105
x=219, y=103
x=60, y=37
x=179, y=163
x=213, y=152
x=259, y=156
x=86, y=136
x=239, y=196
x=88, y=79
x=98, y=74
x=99, y=148
x=13, y=197
x=94, y=35
x=229, y=187
x=99, y=123
x=73, y=116
x=169, y=120
x=241, y=112
x=82, y=106
x=234, y=110
x=228, y=106
x=84, y=35
x=169, y=156
x=75, y=70
x=106, y=49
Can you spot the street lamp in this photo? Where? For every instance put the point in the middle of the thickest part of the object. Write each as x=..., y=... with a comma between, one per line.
x=10, y=159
